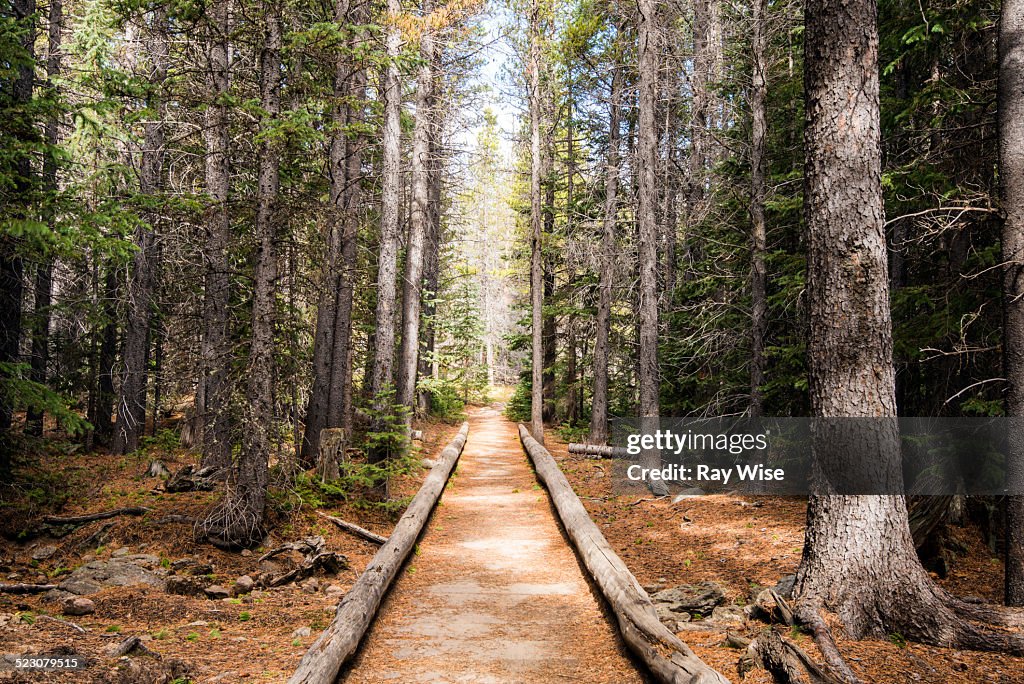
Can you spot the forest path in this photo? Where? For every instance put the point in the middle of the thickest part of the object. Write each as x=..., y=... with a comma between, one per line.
x=495, y=593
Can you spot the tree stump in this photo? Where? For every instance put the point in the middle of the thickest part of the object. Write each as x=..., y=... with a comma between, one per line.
x=331, y=453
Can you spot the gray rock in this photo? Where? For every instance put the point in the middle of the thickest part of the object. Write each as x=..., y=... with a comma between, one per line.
x=785, y=586
x=728, y=614
x=119, y=572
x=182, y=563
x=243, y=585
x=144, y=560
x=41, y=553
x=690, y=493
x=78, y=606
x=693, y=598
x=216, y=591
x=334, y=591
x=310, y=586
x=185, y=586
x=301, y=632
x=121, y=552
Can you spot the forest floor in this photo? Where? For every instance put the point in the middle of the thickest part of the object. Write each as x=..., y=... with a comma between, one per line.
x=493, y=563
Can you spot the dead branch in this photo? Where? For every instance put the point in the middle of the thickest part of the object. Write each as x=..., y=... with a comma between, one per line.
x=6, y=588
x=66, y=623
x=355, y=529
x=82, y=519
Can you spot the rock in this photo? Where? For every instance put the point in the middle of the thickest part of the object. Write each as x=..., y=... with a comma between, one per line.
x=199, y=623
x=144, y=560
x=693, y=598
x=310, y=586
x=243, y=585
x=246, y=553
x=216, y=591
x=199, y=569
x=121, y=552
x=78, y=606
x=301, y=632
x=728, y=614
x=96, y=575
x=669, y=616
x=41, y=553
x=182, y=563
x=785, y=586
x=186, y=586
x=690, y=493
x=270, y=567
x=334, y=591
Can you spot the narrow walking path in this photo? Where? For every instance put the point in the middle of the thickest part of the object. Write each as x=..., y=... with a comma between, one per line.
x=495, y=593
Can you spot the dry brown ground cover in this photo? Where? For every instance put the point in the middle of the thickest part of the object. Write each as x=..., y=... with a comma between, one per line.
x=252, y=638
x=748, y=542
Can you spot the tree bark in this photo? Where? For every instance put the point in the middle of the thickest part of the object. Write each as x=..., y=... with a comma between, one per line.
x=647, y=161
x=432, y=260
x=1011, y=174
x=131, y=403
x=214, y=395
x=599, y=407
x=44, y=271
x=536, y=234
x=419, y=218
x=382, y=370
x=758, y=240
x=238, y=520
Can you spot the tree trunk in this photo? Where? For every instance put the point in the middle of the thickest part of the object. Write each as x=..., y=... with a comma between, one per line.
x=419, y=218
x=536, y=235
x=1011, y=174
x=599, y=407
x=106, y=357
x=859, y=560
x=647, y=160
x=382, y=370
x=432, y=262
x=238, y=520
x=131, y=404
x=215, y=394
x=758, y=240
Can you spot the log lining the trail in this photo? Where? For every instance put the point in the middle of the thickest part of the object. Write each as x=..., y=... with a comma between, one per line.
x=339, y=641
x=668, y=658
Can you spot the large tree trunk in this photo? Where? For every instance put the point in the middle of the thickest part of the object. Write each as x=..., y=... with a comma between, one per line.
x=419, y=218
x=859, y=560
x=599, y=407
x=432, y=261
x=238, y=520
x=382, y=369
x=536, y=234
x=215, y=392
x=131, y=404
x=758, y=240
x=1011, y=174
x=44, y=271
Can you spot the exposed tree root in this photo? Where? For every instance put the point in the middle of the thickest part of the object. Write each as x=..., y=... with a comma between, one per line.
x=808, y=614
x=986, y=612
x=234, y=523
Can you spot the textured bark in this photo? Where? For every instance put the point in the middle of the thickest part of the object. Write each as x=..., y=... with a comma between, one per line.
x=238, y=520
x=131, y=403
x=432, y=264
x=859, y=560
x=1011, y=174
x=536, y=234
x=215, y=392
x=549, y=328
x=599, y=407
x=382, y=370
x=758, y=240
x=647, y=160
x=418, y=223
x=106, y=357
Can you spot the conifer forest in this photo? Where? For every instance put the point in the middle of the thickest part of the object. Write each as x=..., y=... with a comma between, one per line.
x=319, y=320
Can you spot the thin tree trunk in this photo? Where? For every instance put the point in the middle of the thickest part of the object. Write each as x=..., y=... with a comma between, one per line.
x=413, y=285
x=758, y=241
x=105, y=360
x=44, y=272
x=550, y=326
x=599, y=407
x=238, y=520
x=213, y=412
x=1011, y=174
x=432, y=265
x=536, y=235
x=131, y=404
x=382, y=368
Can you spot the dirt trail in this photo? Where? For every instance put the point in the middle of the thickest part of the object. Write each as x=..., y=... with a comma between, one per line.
x=495, y=593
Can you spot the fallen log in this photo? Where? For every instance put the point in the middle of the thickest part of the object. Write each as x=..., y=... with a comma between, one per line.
x=598, y=450
x=82, y=519
x=668, y=658
x=323, y=660
x=6, y=588
x=355, y=529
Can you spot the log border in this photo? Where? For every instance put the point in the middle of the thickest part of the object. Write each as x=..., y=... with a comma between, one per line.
x=324, y=659
x=669, y=659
